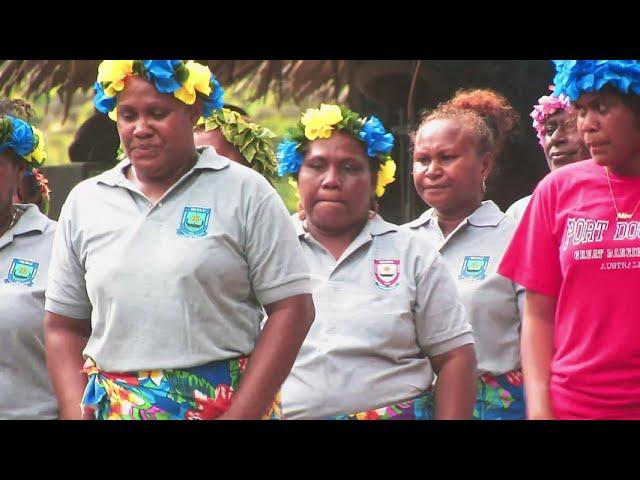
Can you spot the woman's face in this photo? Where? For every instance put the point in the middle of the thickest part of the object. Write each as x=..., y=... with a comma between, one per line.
x=10, y=173
x=447, y=169
x=215, y=138
x=609, y=129
x=155, y=129
x=336, y=183
x=561, y=141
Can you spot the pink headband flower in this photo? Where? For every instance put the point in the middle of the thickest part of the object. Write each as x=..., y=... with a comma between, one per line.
x=547, y=106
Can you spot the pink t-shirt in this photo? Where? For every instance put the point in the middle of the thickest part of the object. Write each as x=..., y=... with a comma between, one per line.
x=570, y=245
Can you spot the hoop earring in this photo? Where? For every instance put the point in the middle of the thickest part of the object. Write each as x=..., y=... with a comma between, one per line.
x=302, y=215
x=373, y=208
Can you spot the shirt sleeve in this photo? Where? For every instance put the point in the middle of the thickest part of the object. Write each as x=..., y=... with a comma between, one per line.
x=532, y=258
x=277, y=268
x=512, y=211
x=519, y=299
x=66, y=287
x=440, y=319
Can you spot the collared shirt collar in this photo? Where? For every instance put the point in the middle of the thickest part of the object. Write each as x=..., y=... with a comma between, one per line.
x=375, y=226
x=486, y=215
x=31, y=220
x=208, y=159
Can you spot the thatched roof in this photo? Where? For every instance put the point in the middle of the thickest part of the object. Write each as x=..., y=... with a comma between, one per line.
x=288, y=79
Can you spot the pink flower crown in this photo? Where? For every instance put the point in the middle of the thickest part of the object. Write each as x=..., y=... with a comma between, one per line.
x=547, y=106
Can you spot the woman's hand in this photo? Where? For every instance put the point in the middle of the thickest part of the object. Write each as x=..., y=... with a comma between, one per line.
x=271, y=361
x=65, y=339
x=537, y=352
x=456, y=383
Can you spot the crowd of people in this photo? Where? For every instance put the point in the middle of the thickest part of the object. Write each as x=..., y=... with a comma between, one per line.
x=176, y=285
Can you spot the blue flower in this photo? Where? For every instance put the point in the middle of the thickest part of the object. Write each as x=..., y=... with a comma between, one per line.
x=21, y=137
x=165, y=76
x=289, y=159
x=376, y=137
x=161, y=73
x=215, y=100
x=101, y=101
x=575, y=77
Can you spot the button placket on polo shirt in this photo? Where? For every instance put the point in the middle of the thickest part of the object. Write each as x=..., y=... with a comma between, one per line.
x=141, y=199
x=327, y=261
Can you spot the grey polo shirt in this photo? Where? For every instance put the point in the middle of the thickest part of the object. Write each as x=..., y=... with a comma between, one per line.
x=516, y=211
x=381, y=309
x=180, y=283
x=472, y=253
x=25, y=250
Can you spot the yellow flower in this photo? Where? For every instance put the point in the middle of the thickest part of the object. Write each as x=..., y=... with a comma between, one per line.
x=319, y=123
x=199, y=79
x=113, y=114
x=39, y=155
x=292, y=182
x=114, y=71
x=386, y=175
x=155, y=376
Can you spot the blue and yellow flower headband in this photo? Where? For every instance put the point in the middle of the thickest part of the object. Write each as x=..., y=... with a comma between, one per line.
x=321, y=123
x=25, y=140
x=182, y=79
x=575, y=77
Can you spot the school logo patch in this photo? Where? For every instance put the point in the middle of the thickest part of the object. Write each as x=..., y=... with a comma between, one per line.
x=386, y=273
x=194, y=223
x=474, y=267
x=22, y=272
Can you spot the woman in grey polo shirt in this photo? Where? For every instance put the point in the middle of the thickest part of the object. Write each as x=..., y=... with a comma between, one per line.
x=387, y=311
x=162, y=265
x=25, y=247
x=454, y=151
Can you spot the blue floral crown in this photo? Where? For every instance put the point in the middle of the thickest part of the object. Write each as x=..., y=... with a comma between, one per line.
x=321, y=123
x=183, y=79
x=575, y=77
x=23, y=139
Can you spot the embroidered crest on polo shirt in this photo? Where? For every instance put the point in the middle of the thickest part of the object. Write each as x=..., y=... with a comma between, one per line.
x=386, y=273
x=474, y=267
x=22, y=272
x=195, y=222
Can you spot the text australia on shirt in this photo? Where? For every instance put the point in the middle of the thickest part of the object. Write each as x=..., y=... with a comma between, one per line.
x=582, y=231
